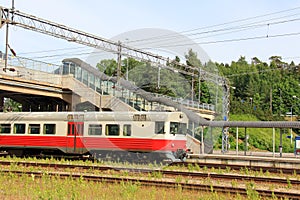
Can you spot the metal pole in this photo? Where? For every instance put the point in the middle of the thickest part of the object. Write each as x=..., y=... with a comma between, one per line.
x=127, y=63
x=127, y=70
x=273, y=141
x=246, y=141
x=199, y=86
x=216, y=95
x=280, y=145
x=280, y=102
x=119, y=62
x=6, y=40
x=192, y=89
x=237, y=141
x=291, y=120
x=6, y=45
x=202, y=141
x=158, y=78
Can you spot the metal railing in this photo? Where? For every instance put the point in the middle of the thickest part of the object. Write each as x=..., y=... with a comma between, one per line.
x=106, y=87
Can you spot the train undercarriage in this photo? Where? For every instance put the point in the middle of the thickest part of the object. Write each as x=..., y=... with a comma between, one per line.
x=122, y=156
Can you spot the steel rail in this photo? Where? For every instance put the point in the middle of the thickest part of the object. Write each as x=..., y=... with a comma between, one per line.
x=159, y=183
x=163, y=172
x=241, y=167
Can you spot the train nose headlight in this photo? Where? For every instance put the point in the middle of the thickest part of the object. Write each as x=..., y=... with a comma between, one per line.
x=172, y=145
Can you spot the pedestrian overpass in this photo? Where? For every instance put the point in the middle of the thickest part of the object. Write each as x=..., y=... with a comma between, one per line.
x=40, y=86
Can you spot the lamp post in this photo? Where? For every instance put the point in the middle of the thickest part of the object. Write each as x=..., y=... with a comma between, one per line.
x=127, y=61
x=291, y=130
x=280, y=102
x=199, y=86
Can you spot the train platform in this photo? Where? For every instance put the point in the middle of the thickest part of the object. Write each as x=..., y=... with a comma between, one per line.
x=251, y=159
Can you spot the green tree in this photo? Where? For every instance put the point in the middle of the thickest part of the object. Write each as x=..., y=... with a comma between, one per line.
x=12, y=106
x=192, y=59
x=108, y=66
x=271, y=87
x=201, y=87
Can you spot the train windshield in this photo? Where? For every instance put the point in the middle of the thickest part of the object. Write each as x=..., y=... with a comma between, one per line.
x=177, y=128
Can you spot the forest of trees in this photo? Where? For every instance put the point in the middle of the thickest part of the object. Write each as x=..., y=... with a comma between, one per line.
x=269, y=91
x=259, y=90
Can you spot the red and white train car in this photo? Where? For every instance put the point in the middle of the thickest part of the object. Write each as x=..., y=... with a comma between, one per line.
x=122, y=136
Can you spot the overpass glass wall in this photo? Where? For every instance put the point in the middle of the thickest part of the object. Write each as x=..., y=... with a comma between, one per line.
x=111, y=88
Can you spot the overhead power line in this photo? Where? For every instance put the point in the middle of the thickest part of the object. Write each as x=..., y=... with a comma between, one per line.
x=222, y=31
x=236, y=39
x=213, y=26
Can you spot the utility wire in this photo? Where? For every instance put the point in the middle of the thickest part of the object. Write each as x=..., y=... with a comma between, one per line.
x=238, y=28
x=51, y=50
x=227, y=30
x=235, y=40
x=217, y=25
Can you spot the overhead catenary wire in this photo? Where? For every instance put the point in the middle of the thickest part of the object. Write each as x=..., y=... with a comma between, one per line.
x=212, y=26
x=235, y=39
x=218, y=25
x=224, y=31
x=231, y=29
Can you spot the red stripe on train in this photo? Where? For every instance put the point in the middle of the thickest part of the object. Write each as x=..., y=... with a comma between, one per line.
x=92, y=142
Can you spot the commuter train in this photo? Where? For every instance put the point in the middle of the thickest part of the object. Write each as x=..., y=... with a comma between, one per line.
x=117, y=136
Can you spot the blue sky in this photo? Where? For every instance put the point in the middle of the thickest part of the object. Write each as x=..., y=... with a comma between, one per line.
x=111, y=18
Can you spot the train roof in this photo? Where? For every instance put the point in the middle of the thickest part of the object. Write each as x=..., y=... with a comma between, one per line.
x=91, y=116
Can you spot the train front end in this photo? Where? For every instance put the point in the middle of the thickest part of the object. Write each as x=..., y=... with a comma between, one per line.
x=174, y=130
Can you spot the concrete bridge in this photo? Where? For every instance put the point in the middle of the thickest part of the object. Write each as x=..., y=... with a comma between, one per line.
x=40, y=86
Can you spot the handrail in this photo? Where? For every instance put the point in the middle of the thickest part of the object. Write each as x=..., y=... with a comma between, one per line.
x=110, y=87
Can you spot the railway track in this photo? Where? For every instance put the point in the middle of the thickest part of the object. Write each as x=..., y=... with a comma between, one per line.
x=190, y=174
x=167, y=179
x=168, y=183
x=239, y=167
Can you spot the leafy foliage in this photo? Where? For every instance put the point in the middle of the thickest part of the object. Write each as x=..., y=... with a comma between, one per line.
x=11, y=106
x=259, y=138
x=265, y=90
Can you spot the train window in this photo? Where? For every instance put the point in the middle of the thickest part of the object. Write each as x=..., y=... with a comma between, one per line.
x=182, y=128
x=159, y=127
x=95, y=129
x=173, y=127
x=112, y=129
x=49, y=129
x=177, y=128
x=34, y=129
x=5, y=128
x=127, y=130
x=19, y=128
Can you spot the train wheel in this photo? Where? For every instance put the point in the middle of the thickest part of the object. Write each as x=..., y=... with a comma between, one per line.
x=16, y=152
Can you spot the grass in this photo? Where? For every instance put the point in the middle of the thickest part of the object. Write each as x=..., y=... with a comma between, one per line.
x=53, y=187
x=259, y=138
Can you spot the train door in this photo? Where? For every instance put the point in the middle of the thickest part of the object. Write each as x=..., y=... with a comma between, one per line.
x=75, y=133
